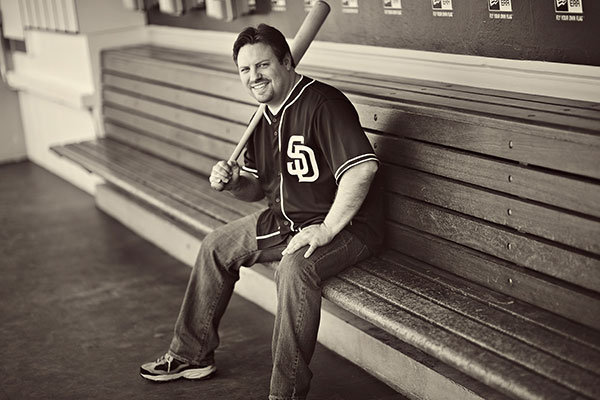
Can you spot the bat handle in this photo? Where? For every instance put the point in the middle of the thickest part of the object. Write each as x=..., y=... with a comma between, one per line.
x=247, y=133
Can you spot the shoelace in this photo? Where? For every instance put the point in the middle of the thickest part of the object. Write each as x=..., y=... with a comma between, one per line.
x=168, y=358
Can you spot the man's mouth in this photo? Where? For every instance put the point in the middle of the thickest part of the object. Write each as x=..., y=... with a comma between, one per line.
x=259, y=85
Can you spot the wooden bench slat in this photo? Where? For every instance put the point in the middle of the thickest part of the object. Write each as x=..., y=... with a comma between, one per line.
x=192, y=187
x=117, y=164
x=513, y=99
x=226, y=130
x=170, y=133
x=523, y=311
x=205, y=80
x=195, y=187
x=509, y=113
x=187, y=158
x=493, y=370
x=572, y=376
x=206, y=201
x=452, y=297
x=226, y=109
x=179, y=56
x=543, y=147
x=198, y=220
x=524, y=216
x=395, y=117
x=516, y=248
x=578, y=305
x=517, y=180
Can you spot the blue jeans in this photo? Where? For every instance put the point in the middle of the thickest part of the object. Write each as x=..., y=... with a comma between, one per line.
x=299, y=282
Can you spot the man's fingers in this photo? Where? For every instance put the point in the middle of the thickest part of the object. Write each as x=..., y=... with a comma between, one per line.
x=311, y=249
x=221, y=173
x=296, y=243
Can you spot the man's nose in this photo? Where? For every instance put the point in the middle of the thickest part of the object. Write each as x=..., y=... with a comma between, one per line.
x=255, y=75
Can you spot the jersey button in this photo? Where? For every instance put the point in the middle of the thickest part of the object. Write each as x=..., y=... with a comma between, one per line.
x=286, y=223
x=277, y=200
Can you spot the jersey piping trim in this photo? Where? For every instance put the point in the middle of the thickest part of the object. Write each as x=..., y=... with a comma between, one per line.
x=353, y=162
x=252, y=171
x=284, y=101
x=268, y=235
x=279, y=138
x=266, y=116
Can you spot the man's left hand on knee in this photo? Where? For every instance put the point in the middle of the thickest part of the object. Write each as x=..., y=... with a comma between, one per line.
x=313, y=236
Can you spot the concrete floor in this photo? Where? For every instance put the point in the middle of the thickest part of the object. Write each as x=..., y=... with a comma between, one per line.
x=84, y=301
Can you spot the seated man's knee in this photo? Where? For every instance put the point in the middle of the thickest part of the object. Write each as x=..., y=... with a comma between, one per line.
x=211, y=246
x=294, y=270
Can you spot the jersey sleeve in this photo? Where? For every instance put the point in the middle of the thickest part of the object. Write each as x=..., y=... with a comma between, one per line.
x=341, y=137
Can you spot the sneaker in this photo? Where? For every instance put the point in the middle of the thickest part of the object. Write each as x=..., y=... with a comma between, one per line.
x=167, y=368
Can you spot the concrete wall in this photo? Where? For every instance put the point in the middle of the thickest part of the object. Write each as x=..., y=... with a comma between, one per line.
x=12, y=141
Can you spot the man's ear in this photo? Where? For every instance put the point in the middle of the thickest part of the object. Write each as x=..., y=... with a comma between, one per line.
x=287, y=61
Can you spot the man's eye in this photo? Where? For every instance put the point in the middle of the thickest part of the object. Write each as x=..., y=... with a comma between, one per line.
x=264, y=65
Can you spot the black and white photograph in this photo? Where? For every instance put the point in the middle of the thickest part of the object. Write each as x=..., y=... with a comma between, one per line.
x=300, y=199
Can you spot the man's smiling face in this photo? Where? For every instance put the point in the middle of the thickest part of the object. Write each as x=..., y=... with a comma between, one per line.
x=266, y=79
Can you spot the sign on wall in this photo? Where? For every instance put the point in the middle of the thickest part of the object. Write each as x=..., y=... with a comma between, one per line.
x=392, y=7
x=442, y=8
x=350, y=6
x=278, y=5
x=569, y=10
x=500, y=9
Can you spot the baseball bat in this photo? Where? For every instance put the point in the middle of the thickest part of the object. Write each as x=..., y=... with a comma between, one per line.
x=307, y=32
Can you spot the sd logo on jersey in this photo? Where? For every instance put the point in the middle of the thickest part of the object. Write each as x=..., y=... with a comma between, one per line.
x=304, y=164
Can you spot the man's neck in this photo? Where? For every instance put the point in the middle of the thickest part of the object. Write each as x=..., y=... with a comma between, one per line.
x=275, y=109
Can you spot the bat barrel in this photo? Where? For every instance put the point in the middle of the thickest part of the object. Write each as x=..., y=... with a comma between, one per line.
x=309, y=29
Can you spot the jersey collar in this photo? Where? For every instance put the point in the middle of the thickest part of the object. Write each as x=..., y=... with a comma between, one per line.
x=303, y=81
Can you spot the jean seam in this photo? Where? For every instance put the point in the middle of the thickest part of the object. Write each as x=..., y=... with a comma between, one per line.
x=298, y=323
x=359, y=255
x=211, y=314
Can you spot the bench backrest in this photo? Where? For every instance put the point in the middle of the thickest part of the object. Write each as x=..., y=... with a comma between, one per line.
x=498, y=188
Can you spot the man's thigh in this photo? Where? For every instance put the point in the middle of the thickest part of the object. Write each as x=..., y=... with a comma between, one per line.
x=233, y=241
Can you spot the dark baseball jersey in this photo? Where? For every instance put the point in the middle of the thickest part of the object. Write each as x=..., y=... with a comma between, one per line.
x=299, y=156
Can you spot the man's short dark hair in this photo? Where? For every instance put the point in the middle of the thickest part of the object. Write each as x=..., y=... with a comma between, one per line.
x=263, y=34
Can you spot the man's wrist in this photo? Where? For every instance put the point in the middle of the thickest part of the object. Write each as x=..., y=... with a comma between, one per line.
x=331, y=233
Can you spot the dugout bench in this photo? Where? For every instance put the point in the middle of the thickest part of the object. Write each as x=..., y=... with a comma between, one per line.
x=492, y=262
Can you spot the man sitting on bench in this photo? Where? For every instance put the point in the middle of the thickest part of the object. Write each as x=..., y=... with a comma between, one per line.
x=312, y=161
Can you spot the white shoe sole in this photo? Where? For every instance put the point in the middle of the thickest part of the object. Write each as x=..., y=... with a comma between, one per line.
x=196, y=373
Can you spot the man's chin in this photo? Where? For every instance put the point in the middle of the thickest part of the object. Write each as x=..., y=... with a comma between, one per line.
x=263, y=99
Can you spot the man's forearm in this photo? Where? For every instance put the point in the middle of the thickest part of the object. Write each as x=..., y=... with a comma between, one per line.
x=247, y=188
x=352, y=191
